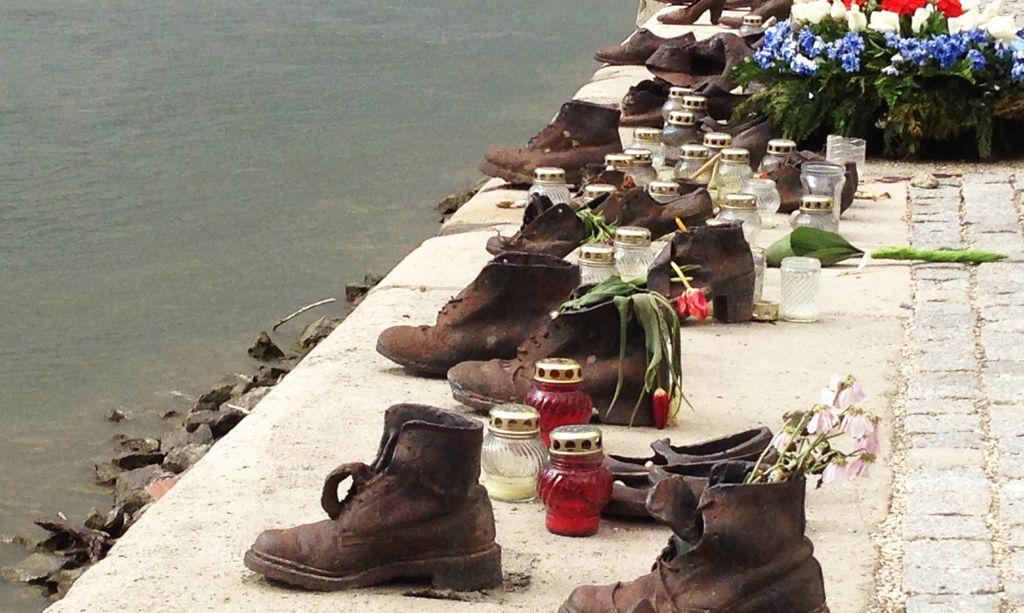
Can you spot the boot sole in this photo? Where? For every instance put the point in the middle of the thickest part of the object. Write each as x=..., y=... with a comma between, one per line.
x=465, y=573
x=493, y=170
x=474, y=401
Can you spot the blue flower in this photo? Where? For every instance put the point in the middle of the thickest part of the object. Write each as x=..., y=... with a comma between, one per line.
x=850, y=62
x=803, y=65
x=977, y=59
x=1017, y=72
x=892, y=40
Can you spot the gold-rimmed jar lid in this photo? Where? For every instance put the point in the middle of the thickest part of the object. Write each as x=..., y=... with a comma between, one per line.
x=633, y=235
x=597, y=254
x=557, y=370
x=641, y=157
x=548, y=175
x=735, y=154
x=717, y=140
x=695, y=152
x=647, y=135
x=681, y=118
x=740, y=201
x=678, y=93
x=514, y=421
x=663, y=188
x=595, y=190
x=781, y=146
x=576, y=440
x=765, y=310
x=815, y=203
x=750, y=19
x=695, y=103
x=618, y=161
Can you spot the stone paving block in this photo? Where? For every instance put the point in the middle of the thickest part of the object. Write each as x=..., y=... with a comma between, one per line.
x=923, y=335
x=945, y=356
x=1011, y=503
x=954, y=284
x=989, y=205
x=924, y=214
x=971, y=440
x=925, y=312
x=930, y=386
x=940, y=271
x=1014, y=591
x=950, y=581
x=953, y=491
x=941, y=407
x=966, y=318
x=1004, y=387
x=947, y=554
x=944, y=527
x=937, y=424
x=1000, y=277
x=1008, y=243
x=976, y=178
x=944, y=457
x=1003, y=345
x=1011, y=466
x=928, y=603
x=1001, y=299
x=936, y=236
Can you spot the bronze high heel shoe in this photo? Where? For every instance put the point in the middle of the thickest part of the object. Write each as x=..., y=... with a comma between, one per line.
x=689, y=15
x=779, y=9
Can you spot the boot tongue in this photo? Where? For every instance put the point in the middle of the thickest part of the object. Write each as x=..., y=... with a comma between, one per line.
x=671, y=501
x=729, y=472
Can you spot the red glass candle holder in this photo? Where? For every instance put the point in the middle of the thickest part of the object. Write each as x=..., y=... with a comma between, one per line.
x=558, y=395
x=574, y=485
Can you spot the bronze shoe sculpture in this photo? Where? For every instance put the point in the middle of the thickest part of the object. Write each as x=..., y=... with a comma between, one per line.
x=637, y=48
x=417, y=512
x=634, y=477
x=741, y=549
x=725, y=268
x=787, y=181
x=641, y=106
x=689, y=15
x=779, y=9
x=638, y=208
x=512, y=296
x=582, y=133
x=552, y=229
x=591, y=337
x=752, y=135
x=710, y=60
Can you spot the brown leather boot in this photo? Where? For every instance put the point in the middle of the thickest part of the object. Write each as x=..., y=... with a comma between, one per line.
x=710, y=60
x=641, y=106
x=634, y=477
x=589, y=336
x=638, y=208
x=791, y=189
x=637, y=48
x=742, y=549
x=512, y=296
x=779, y=9
x=752, y=135
x=726, y=268
x=690, y=14
x=553, y=229
x=416, y=513
x=582, y=133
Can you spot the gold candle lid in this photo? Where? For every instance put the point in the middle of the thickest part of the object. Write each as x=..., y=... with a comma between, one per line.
x=633, y=235
x=735, y=155
x=601, y=255
x=641, y=157
x=618, y=161
x=647, y=135
x=547, y=175
x=815, y=203
x=681, y=118
x=514, y=420
x=557, y=370
x=751, y=19
x=695, y=103
x=663, y=188
x=765, y=310
x=696, y=152
x=576, y=440
x=717, y=140
x=678, y=93
x=740, y=201
x=781, y=146
x=595, y=190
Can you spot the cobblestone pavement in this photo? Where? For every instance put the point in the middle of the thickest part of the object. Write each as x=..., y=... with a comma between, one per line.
x=957, y=519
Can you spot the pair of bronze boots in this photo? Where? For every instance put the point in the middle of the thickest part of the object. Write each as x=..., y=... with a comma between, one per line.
x=488, y=338
x=418, y=512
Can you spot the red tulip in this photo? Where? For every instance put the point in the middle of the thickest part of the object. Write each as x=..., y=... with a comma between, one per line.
x=660, y=408
x=692, y=303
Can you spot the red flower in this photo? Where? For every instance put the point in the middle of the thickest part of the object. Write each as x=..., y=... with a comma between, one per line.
x=949, y=8
x=659, y=408
x=850, y=3
x=902, y=7
x=692, y=303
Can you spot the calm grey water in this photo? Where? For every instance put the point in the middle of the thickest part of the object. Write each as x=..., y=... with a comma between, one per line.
x=175, y=176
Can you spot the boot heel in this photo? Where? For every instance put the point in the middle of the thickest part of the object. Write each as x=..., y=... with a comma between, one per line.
x=734, y=302
x=469, y=573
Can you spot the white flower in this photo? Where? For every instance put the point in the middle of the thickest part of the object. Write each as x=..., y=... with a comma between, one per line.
x=856, y=21
x=1002, y=27
x=884, y=21
x=811, y=12
x=964, y=23
x=991, y=11
x=838, y=10
x=920, y=16
x=891, y=70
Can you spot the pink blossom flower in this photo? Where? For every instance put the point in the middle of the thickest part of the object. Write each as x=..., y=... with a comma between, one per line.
x=825, y=420
x=857, y=424
x=869, y=444
x=851, y=395
x=782, y=440
x=859, y=466
x=835, y=472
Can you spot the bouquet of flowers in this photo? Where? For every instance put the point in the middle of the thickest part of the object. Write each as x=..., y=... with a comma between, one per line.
x=928, y=75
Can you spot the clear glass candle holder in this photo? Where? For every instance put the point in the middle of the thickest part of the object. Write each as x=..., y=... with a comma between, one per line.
x=824, y=179
x=768, y=199
x=843, y=149
x=801, y=279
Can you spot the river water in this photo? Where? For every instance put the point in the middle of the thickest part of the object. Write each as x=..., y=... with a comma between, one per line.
x=175, y=176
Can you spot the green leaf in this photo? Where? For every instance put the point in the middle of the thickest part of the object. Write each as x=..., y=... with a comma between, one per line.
x=828, y=247
x=609, y=288
x=778, y=251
